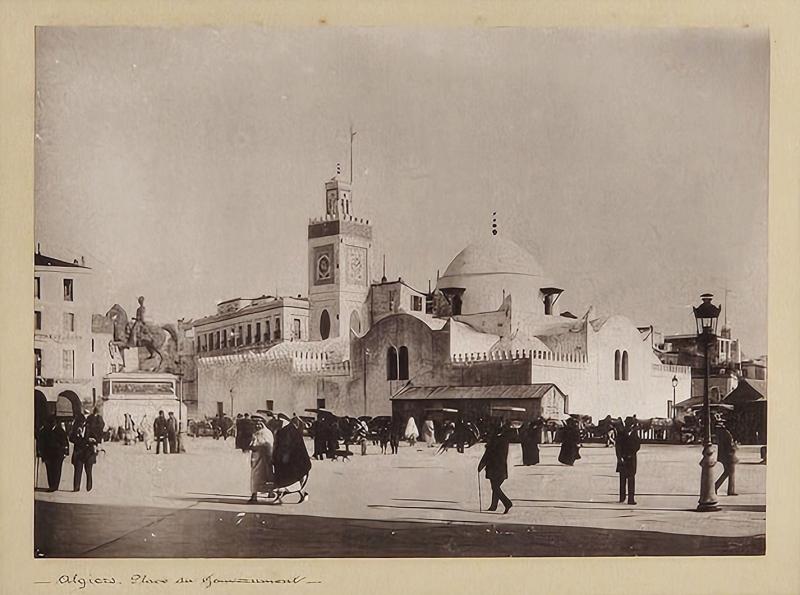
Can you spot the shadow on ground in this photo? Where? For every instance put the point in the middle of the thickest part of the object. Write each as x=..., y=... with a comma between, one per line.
x=150, y=532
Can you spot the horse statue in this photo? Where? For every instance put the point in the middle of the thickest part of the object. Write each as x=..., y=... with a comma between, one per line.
x=158, y=340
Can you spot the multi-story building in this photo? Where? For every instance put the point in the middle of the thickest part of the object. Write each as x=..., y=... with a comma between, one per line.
x=724, y=361
x=251, y=323
x=69, y=360
x=755, y=369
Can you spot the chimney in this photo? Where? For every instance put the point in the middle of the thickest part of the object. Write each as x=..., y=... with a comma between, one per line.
x=38, y=248
x=83, y=261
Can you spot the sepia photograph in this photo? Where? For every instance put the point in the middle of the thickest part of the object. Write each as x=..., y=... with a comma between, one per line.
x=400, y=292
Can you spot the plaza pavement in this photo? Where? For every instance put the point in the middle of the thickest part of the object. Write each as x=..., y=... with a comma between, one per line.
x=415, y=503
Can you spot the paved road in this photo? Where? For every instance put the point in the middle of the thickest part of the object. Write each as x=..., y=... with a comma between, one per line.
x=412, y=504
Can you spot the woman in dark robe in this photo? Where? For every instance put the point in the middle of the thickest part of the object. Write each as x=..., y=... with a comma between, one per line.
x=570, y=443
x=290, y=457
x=320, y=439
x=332, y=438
x=529, y=439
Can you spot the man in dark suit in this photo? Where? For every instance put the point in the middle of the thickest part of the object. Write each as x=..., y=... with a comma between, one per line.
x=495, y=461
x=95, y=426
x=53, y=447
x=627, y=446
x=172, y=433
x=84, y=453
x=160, y=432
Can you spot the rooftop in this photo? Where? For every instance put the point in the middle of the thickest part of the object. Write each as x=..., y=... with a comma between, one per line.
x=41, y=260
x=494, y=255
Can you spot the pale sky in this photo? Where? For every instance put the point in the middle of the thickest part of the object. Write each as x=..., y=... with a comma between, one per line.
x=184, y=164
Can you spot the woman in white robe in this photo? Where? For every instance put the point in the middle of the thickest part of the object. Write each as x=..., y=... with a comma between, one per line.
x=144, y=430
x=412, y=433
x=262, y=476
x=428, y=432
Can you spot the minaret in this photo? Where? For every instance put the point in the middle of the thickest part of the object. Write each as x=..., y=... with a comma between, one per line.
x=339, y=251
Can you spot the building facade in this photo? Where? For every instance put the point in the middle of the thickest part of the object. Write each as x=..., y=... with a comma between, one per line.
x=70, y=359
x=492, y=320
x=251, y=323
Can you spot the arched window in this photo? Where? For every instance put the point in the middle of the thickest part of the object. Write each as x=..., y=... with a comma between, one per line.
x=391, y=364
x=624, y=365
x=324, y=324
x=617, y=365
x=456, y=305
x=403, y=374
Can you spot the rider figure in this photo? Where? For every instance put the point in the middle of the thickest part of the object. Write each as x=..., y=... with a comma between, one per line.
x=138, y=324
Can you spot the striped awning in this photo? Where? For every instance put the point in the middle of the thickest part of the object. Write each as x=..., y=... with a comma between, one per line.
x=516, y=391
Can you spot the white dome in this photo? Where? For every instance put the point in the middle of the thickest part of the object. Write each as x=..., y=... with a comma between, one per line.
x=493, y=256
x=492, y=268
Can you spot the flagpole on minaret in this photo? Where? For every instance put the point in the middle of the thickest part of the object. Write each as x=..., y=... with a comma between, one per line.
x=352, y=135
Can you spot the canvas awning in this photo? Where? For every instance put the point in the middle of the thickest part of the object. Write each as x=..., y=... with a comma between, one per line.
x=517, y=391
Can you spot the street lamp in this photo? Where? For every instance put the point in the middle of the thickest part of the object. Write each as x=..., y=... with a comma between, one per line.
x=366, y=353
x=674, y=386
x=706, y=315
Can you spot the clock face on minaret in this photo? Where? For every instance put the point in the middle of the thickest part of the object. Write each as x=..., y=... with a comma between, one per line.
x=338, y=264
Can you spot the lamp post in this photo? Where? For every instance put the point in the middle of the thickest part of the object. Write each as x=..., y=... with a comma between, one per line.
x=366, y=353
x=706, y=315
x=674, y=386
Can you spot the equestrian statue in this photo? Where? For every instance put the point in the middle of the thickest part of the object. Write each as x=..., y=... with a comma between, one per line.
x=160, y=341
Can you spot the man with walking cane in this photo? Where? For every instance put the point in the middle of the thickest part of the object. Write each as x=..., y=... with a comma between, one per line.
x=494, y=460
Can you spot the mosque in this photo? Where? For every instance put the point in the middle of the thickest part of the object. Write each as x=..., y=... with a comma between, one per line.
x=490, y=334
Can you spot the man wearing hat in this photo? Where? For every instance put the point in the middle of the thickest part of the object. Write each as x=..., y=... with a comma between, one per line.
x=627, y=446
x=84, y=453
x=726, y=455
x=495, y=461
x=160, y=432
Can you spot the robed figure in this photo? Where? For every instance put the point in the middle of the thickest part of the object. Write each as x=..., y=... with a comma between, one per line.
x=262, y=475
x=529, y=440
x=570, y=443
x=290, y=458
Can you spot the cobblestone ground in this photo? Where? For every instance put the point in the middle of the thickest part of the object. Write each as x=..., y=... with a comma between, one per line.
x=415, y=503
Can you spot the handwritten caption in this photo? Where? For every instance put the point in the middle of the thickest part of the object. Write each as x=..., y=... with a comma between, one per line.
x=209, y=581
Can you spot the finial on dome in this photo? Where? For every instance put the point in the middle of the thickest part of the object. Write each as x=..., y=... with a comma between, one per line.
x=494, y=223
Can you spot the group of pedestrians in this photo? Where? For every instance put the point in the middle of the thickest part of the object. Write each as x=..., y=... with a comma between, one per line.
x=165, y=430
x=627, y=444
x=278, y=455
x=86, y=437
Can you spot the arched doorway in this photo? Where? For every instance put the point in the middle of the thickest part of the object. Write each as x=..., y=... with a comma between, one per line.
x=68, y=405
